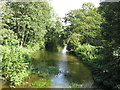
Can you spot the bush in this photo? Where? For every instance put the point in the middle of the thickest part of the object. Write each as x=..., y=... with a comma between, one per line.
x=104, y=66
x=14, y=64
x=88, y=52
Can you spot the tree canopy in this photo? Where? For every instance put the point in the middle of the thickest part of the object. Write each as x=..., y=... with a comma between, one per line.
x=84, y=24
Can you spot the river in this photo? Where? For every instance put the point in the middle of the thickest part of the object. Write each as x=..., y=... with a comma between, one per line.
x=71, y=72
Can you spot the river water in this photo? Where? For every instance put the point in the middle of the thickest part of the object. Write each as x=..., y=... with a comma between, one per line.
x=70, y=69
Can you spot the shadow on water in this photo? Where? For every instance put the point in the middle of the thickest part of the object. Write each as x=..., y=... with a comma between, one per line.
x=71, y=72
x=65, y=71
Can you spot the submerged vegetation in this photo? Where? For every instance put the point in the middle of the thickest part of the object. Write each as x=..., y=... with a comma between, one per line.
x=92, y=34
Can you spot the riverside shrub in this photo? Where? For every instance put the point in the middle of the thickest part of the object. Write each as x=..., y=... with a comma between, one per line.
x=15, y=63
x=88, y=52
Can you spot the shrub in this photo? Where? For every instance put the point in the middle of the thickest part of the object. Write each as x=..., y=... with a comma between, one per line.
x=14, y=64
x=88, y=52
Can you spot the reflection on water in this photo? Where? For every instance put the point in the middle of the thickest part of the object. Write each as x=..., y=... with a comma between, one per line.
x=70, y=69
x=60, y=79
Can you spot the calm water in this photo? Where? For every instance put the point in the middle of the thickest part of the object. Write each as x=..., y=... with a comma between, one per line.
x=70, y=69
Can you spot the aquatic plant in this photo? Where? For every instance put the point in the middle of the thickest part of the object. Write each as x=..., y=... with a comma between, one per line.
x=42, y=82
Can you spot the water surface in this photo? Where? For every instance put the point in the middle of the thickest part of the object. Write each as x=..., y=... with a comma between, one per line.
x=70, y=69
x=71, y=72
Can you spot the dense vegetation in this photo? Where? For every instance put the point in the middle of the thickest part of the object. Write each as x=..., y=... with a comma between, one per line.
x=91, y=33
x=25, y=28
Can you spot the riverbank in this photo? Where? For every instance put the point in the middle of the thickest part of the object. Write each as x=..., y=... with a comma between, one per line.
x=57, y=70
x=102, y=70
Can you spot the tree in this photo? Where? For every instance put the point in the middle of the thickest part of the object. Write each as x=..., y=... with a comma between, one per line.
x=29, y=20
x=7, y=37
x=53, y=35
x=85, y=22
x=23, y=24
x=110, y=33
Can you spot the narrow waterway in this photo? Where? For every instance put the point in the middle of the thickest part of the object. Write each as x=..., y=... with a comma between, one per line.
x=71, y=72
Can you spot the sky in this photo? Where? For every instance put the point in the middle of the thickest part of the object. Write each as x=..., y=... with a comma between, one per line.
x=61, y=7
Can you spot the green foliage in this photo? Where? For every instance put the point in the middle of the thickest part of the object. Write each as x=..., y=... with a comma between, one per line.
x=110, y=29
x=108, y=68
x=84, y=25
x=53, y=35
x=89, y=53
x=41, y=82
x=24, y=24
x=47, y=70
x=8, y=37
x=93, y=33
x=75, y=85
x=74, y=40
x=44, y=72
x=28, y=20
x=14, y=64
x=40, y=68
